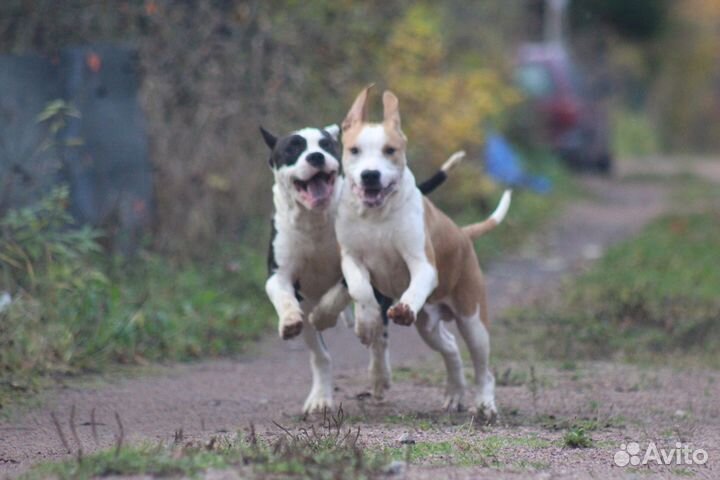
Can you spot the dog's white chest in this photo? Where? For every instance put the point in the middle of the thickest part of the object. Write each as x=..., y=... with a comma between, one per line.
x=377, y=242
x=388, y=271
x=311, y=256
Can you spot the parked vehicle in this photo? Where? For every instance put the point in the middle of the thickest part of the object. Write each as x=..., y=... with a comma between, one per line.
x=566, y=114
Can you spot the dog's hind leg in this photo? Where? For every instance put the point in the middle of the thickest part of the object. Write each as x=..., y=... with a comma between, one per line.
x=320, y=396
x=432, y=330
x=477, y=340
x=380, y=370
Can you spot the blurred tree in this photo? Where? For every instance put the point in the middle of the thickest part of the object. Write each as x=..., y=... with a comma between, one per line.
x=635, y=19
x=212, y=71
x=685, y=100
x=664, y=61
x=444, y=108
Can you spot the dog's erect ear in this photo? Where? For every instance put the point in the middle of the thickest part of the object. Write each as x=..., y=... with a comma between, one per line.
x=358, y=111
x=270, y=139
x=333, y=130
x=391, y=110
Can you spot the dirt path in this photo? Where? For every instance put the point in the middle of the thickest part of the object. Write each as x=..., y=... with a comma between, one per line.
x=271, y=382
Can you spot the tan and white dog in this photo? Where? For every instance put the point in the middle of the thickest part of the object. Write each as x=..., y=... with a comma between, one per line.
x=304, y=256
x=395, y=240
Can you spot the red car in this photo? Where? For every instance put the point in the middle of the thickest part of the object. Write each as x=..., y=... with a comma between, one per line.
x=568, y=118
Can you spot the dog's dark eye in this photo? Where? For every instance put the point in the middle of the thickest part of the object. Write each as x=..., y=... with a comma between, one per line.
x=354, y=150
x=327, y=145
x=389, y=151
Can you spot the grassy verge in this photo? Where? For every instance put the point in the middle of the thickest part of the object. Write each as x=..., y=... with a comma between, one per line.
x=75, y=310
x=468, y=450
x=316, y=456
x=653, y=294
x=325, y=449
x=250, y=460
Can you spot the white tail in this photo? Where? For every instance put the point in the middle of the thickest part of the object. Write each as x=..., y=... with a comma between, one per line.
x=478, y=229
x=453, y=161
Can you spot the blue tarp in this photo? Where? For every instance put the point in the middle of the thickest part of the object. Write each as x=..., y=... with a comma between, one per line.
x=503, y=164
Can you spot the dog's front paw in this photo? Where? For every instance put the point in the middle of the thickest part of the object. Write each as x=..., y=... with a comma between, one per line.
x=291, y=325
x=402, y=314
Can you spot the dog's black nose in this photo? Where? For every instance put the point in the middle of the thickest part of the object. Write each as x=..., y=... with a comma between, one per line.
x=370, y=178
x=316, y=159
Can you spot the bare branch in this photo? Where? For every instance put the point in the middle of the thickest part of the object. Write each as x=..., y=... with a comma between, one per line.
x=60, y=433
x=121, y=435
x=287, y=432
x=73, y=431
x=93, y=426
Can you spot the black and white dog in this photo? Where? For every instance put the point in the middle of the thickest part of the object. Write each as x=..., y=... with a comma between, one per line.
x=304, y=257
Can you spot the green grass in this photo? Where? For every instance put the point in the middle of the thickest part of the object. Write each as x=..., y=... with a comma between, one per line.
x=466, y=451
x=283, y=459
x=655, y=293
x=577, y=437
x=295, y=458
x=150, y=460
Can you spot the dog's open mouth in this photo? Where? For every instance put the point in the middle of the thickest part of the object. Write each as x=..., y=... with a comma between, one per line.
x=373, y=196
x=317, y=190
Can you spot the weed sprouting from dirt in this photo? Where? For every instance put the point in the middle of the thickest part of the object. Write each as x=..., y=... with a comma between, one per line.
x=329, y=433
x=327, y=447
x=577, y=437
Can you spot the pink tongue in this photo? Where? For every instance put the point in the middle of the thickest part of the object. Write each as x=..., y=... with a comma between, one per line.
x=318, y=188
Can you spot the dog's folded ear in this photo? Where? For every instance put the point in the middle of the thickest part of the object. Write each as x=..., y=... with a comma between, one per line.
x=270, y=139
x=358, y=112
x=334, y=131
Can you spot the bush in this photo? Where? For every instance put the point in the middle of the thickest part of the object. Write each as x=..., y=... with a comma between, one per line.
x=73, y=309
x=653, y=293
x=46, y=265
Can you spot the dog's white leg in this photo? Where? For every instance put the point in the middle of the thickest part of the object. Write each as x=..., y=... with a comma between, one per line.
x=280, y=289
x=433, y=331
x=367, y=310
x=320, y=396
x=423, y=280
x=331, y=305
x=379, y=369
x=477, y=340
